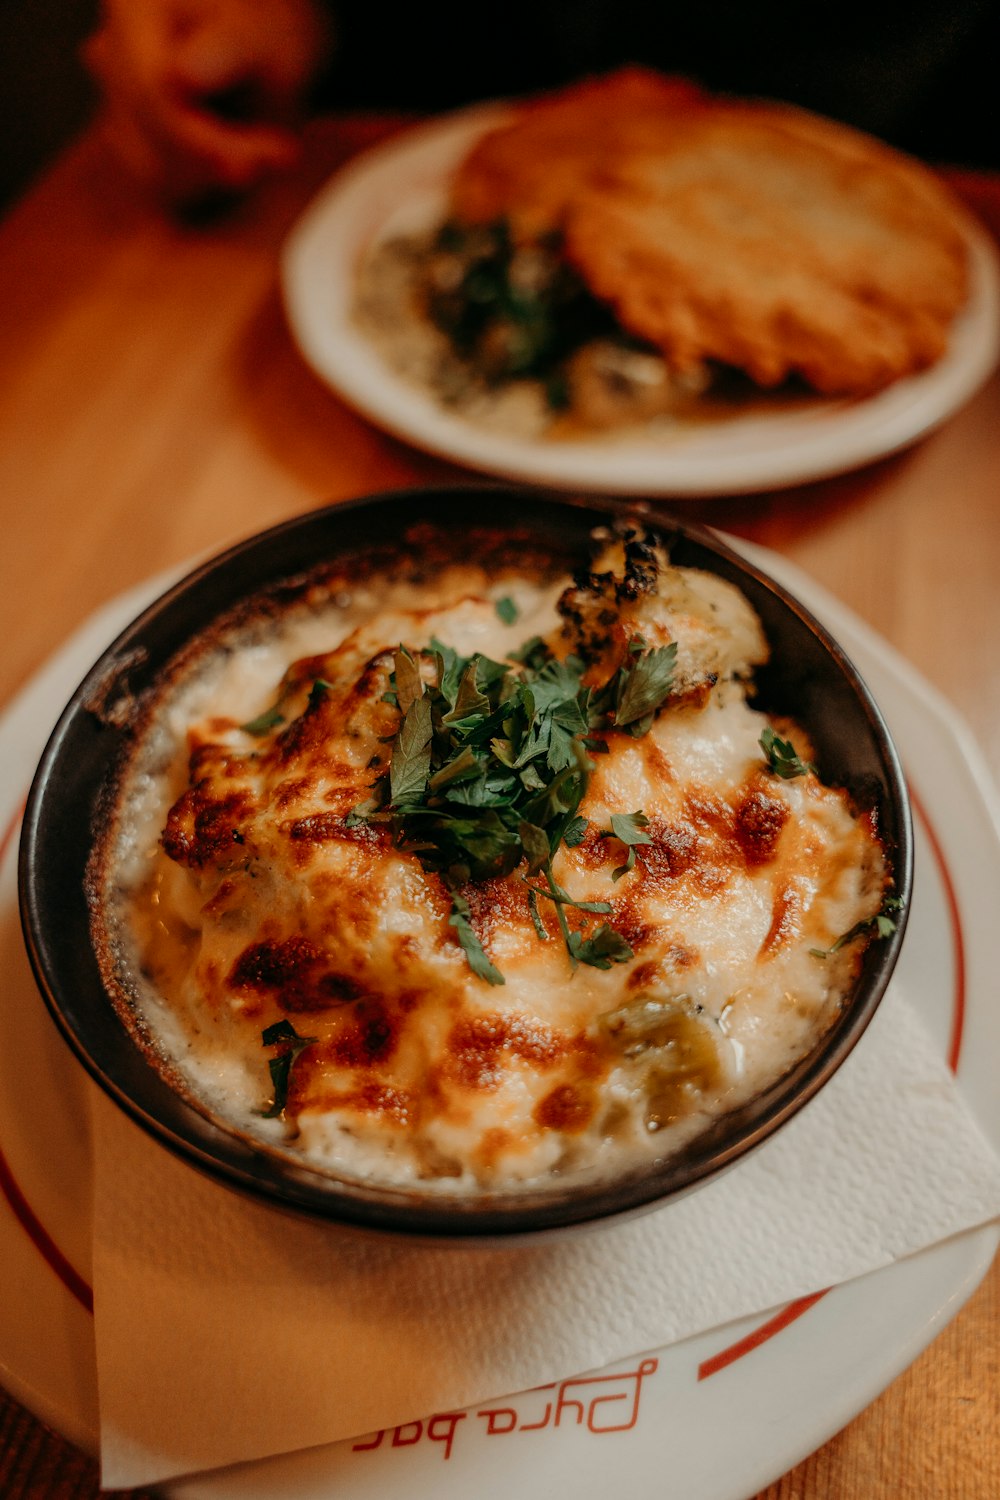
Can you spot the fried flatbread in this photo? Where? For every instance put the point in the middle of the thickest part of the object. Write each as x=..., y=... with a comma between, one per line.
x=529, y=170
x=754, y=235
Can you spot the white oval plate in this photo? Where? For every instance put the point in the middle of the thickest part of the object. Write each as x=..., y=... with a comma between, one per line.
x=400, y=186
x=725, y=1413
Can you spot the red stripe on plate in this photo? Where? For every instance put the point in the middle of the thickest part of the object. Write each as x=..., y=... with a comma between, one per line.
x=19, y=1205
x=42, y=1240
x=759, y=1335
x=9, y=832
x=957, y=935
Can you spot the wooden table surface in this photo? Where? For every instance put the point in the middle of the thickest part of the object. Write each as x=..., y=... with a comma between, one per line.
x=153, y=407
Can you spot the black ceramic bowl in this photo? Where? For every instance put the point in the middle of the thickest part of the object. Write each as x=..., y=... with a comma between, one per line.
x=809, y=678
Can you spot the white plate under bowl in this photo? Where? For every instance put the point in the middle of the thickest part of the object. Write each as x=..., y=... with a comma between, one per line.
x=400, y=186
x=724, y=1414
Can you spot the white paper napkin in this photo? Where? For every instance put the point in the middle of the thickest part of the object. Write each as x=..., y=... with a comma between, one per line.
x=228, y=1331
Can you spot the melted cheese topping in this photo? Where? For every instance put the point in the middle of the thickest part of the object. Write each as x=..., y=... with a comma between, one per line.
x=246, y=895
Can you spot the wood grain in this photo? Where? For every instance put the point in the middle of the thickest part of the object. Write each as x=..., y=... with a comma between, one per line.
x=154, y=408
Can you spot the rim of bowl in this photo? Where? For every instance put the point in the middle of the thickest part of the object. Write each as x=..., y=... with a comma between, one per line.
x=87, y=744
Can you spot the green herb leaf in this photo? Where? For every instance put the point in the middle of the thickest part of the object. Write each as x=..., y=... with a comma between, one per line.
x=469, y=701
x=409, y=684
x=628, y=829
x=883, y=922
x=536, y=846
x=282, y=1034
x=489, y=767
x=782, y=756
x=411, y=757
x=506, y=610
x=645, y=685
x=479, y=963
x=533, y=653
x=464, y=766
x=575, y=832
x=563, y=898
x=265, y=722
x=602, y=949
x=535, y=918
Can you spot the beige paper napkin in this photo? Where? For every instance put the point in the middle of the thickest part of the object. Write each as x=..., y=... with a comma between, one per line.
x=228, y=1331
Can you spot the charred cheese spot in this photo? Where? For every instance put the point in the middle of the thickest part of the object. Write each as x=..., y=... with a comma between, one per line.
x=760, y=817
x=672, y=852
x=384, y=1103
x=368, y=1039
x=642, y=976
x=202, y=829
x=481, y=1048
x=295, y=973
x=296, y=789
x=569, y=1107
x=317, y=828
x=674, y=959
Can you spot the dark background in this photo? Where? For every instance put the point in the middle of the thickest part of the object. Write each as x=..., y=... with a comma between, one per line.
x=924, y=74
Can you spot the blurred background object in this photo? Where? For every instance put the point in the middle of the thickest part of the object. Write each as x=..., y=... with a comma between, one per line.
x=917, y=73
x=45, y=93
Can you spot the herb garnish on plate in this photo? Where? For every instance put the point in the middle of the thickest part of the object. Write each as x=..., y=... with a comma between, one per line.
x=283, y=1036
x=489, y=767
x=782, y=756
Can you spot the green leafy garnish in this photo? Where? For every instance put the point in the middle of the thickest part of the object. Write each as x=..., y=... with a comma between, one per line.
x=576, y=830
x=406, y=675
x=782, y=756
x=275, y=715
x=265, y=722
x=506, y=610
x=479, y=963
x=556, y=893
x=628, y=829
x=282, y=1034
x=602, y=949
x=513, y=311
x=883, y=923
x=411, y=758
x=490, y=764
x=643, y=684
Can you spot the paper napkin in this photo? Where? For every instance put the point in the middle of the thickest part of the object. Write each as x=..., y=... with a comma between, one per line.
x=228, y=1331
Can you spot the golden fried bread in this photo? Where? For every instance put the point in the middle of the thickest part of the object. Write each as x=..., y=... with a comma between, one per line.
x=528, y=170
x=751, y=234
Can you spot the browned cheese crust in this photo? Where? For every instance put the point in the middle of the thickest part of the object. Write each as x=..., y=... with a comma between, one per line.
x=751, y=234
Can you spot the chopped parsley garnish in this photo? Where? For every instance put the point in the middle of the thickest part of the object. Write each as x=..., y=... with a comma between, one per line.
x=628, y=829
x=488, y=769
x=512, y=311
x=506, y=610
x=282, y=1034
x=883, y=923
x=272, y=717
x=268, y=720
x=479, y=961
x=603, y=948
x=782, y=756
x=642, y=686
